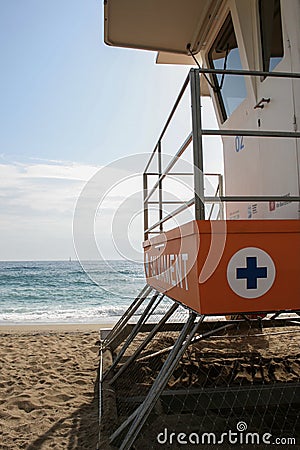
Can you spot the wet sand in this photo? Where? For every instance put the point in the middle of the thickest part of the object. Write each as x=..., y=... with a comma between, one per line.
x=48, y=386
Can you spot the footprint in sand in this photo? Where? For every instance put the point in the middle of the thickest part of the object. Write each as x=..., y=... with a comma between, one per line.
x=27, y=405
x=80, y=381
x=59, y=398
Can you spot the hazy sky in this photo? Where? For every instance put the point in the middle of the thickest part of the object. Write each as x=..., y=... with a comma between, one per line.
x=69, y=105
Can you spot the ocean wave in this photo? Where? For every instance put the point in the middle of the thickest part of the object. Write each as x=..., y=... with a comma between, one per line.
x=18, y=268
x=61, y=291
x=61, y=312
x=66, y=315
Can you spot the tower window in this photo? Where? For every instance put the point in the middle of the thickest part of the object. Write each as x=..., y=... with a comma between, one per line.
x=271, y=33
x=224, y=54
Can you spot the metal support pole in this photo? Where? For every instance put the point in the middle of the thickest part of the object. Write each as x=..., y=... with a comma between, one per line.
x=141, y=408
x=167, y=369
x=197, y=145
x=146, y=213
x=160, y=187
x=194, y=340
x=221, y=193
x=119, y=327
x=150, y=336
x=135, y=330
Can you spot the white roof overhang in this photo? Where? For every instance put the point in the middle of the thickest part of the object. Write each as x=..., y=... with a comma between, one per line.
x=159, y=25
x=171, y=58
x=174, y=58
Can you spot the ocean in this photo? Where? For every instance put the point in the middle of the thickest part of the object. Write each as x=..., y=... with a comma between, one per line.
x=62, y=292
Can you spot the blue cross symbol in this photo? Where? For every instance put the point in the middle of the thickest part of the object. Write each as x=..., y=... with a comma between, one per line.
x=251, y=272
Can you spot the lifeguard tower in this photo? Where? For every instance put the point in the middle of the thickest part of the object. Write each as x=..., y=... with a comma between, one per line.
x=242, y=260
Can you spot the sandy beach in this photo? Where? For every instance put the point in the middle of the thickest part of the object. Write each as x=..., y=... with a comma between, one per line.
x=48, y=387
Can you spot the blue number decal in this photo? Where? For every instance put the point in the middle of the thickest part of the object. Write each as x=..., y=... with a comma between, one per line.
x=239, y=143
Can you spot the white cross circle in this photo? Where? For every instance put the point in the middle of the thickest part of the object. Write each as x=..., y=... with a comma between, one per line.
x=251, y=272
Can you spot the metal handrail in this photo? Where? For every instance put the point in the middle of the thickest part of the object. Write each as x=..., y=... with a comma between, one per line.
x=217, y=72
x=251, y=133
x=222, y=199
x=171, y=215
x=185, y=205
x=196, y=137
x=180, y=95
x=254, y=73
x=213, y=204
x=251, y=198
x=171, y=164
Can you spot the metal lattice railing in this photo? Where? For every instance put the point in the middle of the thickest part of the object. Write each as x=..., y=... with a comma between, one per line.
x=195, y=139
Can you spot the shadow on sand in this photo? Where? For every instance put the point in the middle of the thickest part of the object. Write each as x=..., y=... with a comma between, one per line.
x=83, y=433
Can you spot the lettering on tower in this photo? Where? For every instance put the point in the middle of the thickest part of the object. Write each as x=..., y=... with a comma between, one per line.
x=169, y=268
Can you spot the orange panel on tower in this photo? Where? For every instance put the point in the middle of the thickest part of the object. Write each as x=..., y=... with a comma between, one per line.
x=227, y=267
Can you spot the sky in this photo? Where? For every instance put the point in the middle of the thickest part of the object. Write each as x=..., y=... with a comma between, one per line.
x=70, y=105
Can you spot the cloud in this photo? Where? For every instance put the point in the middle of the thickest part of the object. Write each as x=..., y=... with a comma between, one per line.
x=37, y=201
x=45, y=188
